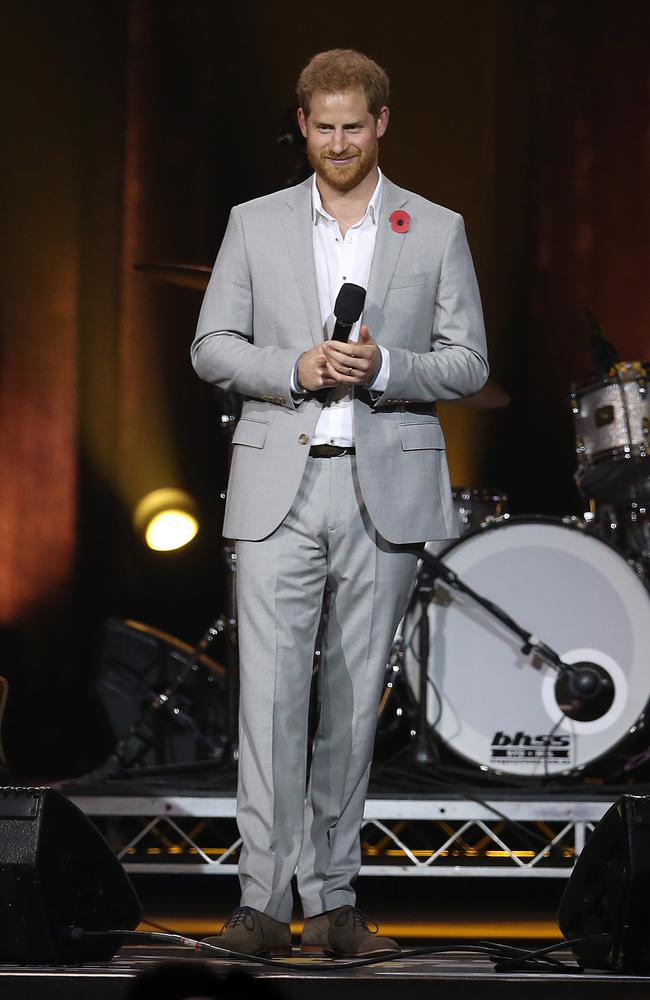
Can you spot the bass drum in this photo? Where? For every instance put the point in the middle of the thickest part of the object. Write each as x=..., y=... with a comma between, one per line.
x=495, y=706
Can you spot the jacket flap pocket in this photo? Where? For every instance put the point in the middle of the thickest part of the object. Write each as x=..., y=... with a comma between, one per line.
x=416, y=437
x=250, y=432
x=407, y=280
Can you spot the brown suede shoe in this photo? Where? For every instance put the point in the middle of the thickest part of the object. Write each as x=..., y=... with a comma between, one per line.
x=344, y=932
x=253, y=933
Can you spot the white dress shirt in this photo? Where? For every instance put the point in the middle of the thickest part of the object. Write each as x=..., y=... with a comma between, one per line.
x=338, y=259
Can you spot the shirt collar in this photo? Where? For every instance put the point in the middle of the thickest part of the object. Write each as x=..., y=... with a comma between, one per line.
x=373, y=205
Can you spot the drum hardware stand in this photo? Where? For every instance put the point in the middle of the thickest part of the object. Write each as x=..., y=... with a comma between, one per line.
x=422, y=752
x=394, y=666
x=584, y=691
x=142, y=735
x=226, y=625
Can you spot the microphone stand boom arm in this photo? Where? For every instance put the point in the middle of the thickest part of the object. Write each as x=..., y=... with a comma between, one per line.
x=437, y=569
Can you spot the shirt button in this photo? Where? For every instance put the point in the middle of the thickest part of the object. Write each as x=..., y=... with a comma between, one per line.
x=303, y=439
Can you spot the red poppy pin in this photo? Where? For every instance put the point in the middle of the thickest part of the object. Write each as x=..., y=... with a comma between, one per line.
x=400, y=222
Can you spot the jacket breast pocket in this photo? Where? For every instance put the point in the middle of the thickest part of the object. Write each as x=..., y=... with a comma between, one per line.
x=420, y=437
x=407, y=281
x=250, y=432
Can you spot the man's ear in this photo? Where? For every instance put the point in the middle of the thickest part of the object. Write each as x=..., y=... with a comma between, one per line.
x=382, y=121
x=302, y=122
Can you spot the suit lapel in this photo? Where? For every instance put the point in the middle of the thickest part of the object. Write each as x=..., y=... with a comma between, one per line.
x=297, y=223
x=297, y=227
x=388, y=247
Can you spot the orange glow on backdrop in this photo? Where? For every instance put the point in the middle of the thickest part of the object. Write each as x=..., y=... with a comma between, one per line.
x=38, y=396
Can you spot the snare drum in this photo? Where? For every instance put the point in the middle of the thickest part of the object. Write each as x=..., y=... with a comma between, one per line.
x=612, y=425
x=495, y=706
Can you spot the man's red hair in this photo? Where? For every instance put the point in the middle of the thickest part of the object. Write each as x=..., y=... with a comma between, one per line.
x=339, y=71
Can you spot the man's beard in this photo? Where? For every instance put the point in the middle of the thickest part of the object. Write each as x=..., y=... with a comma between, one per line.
x=344, y=178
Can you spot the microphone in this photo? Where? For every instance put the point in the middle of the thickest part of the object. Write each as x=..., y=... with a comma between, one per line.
x=584, y=691
x=347, y=309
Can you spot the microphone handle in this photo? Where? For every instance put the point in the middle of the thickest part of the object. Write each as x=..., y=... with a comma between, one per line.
x=342, y=331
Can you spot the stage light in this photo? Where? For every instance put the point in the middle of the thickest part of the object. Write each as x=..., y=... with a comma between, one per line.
x=166, y=519
x=171, y=529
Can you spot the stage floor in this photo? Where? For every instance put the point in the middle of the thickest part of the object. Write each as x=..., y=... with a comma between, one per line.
x=452, y=912
x=453, y=976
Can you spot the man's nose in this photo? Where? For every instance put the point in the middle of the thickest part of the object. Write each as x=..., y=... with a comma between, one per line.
x=338, y=141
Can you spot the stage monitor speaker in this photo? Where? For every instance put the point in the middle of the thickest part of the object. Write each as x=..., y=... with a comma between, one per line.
x=57, y=873
x=606, y=902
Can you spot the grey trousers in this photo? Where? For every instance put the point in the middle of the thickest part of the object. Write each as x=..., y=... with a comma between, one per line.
x=286, y=827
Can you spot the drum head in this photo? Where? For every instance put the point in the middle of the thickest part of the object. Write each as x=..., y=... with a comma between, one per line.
x=496, y=706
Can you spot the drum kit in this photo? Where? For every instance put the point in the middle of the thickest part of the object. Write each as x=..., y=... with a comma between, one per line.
x=581, y=584
x=524, y=650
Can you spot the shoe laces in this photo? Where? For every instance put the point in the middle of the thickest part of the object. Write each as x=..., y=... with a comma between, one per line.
x=242, y=915
x=359, y=919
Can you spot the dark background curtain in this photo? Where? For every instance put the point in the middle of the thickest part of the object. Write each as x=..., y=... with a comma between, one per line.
x=131, y=129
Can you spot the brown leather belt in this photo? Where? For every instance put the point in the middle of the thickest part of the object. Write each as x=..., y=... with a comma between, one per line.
x=329, y=451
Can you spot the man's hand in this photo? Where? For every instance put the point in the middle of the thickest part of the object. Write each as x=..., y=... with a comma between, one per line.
x=312, y=370
x=353, y=363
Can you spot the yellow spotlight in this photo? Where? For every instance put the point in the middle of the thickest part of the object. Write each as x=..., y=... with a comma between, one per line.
x=166, y=519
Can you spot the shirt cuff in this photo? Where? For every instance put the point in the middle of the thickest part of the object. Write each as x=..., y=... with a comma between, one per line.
x=380, y=380
x=296, y=390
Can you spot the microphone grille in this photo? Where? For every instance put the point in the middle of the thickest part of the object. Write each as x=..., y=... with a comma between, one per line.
x=349, y=303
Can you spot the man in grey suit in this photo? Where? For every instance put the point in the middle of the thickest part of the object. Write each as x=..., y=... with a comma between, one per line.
x=338, y=472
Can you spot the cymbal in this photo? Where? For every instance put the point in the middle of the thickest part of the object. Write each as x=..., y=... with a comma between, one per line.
x=490, y=397
x=194, y=276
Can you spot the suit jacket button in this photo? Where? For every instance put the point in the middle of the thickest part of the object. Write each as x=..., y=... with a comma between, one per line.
x=303, y=439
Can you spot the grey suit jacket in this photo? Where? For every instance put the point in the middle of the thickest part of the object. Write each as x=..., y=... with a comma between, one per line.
x=261, y=311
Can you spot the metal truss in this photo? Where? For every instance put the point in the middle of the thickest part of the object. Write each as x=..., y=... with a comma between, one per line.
x=432, y=837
